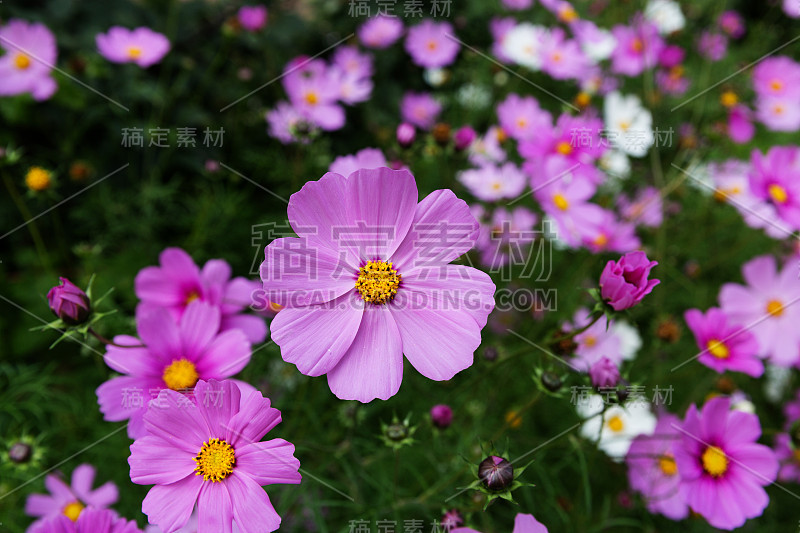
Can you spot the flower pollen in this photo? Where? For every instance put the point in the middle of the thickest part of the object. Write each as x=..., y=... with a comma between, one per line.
x=215, y=461
x=564, y=148
x=560, y=202
x=22, y=61
x=717, y=349
x=73, y=510
x=668, y=465
x=378, y=282
x=778, y=194
x=775, y=308
x=715, y=462
x=134, y=52
x=180, y=374
x=615, y=424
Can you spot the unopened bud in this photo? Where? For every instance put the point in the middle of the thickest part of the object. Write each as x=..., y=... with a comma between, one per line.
x=496, y=473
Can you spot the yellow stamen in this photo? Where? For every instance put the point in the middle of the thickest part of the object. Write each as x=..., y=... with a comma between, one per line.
x=501, y=135
x=624, y=125
x=583, y=99
x=729, y=99
x=378, y=282
x=556, y=56
x=37, y=179
x=73, y=510
x=564, y=148
x=715, y=462
x=522, y=122
x=275, y=307
x=192, y=296
x=180, y=374
x=776, y=85
x=311, y=98
x=568, y=14
x=778, y=193
x=590, y=340
x=615, y=424
x=561, y=202
x=22, y=61
x=637, y=45
x=215, y=461
x=717, y=349
x=496, y=186
x=668, y=465
x=513, y=419
x=432, y=45
x=775, y=308
x=134, y=52
x=600, y=241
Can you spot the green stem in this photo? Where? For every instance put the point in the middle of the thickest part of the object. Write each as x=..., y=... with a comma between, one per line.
x=38, y=242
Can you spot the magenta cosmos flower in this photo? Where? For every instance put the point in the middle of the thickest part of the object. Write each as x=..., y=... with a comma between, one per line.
x=624, y=283
x=432, y=44
x=380, y=32
x=722, y=468
x=775, y=178
x=69, y=501
x=420, y=109
x=30, y=54
x=90, y=521
x=653, y=472
x=177, y=282
x=638, y=47
x=367, y=279
x=724, y=346
x=210, y=453
x=523, y=523
x=252, y=18
x=142, y=46
x=69, y=303
x=768, y=307
x=176, y=354
x=521, y=118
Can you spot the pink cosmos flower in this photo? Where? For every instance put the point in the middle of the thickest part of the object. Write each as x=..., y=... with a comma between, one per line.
x=672, y=81
x=775, y=178
x=712, y=45
x=638, y=48
x=724, y=346
x=365, y=282
x=624, y=283
x=380, y=31
x=351, y=61
x=601, y=339
x=464, y=137
x=779, y=113
x=517, y=5
x=671, y=56
x=366, y=158
x=644, y=209
x=732, y=24
x=777, y=76
x=577, y=139
x=420, y=109
x=562, y=58
x=142, y=46
x=90, y=521
x=175, y=355
x=288, y=125
x=609, y=234
x=69, y=501
x=210, y=453
x=521, y=117
x=493, y=182
x=653, y=472
x=791, y=8
x=499, y=27
x=722, y=468
x=432, y=44
x=523, y=523
x=766, y=307
x=740, y=125
x=252, y=18
x=507, y=236
x=314, y=92
x=177, y=282
x=789, y=458
x=604, y=373
x=30, y=54
x=486, y=149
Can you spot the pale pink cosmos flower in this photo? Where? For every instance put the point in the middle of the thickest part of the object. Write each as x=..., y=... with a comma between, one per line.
x=777, y=76
x=779, y=113
x=499, y=28
x=432, y=44
x=609, y=234
x=644, y=209
x=494, y=182
x=638, y=47
x=486, y=149
x=791, y=8
x=380, y=31
x=724, y=346
x=142, y=46
x=712, y=45
x=521, y=117
x=506, y=236
x=366, y=158
x=768, y=306
x=29, y=58
x=562, y=58
x=420, y=109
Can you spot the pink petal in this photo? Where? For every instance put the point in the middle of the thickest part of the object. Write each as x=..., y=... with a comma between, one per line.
x=225, y=356
x=316, y=337
x=217, y=402
x=269, y=462
x=133, y=361
x=155, y=461
x=103, y=496
x=252, y=509
x=82, y=479
x=177, y=421
x=170, y=506
x=42, y=505
x=254, y=419
x=199, y=324
x=160, y=333
x=373, y=365
x=254, y=327
x=214, y=509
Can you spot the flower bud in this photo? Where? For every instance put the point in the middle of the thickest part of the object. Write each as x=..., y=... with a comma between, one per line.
x=441, y=133
x=624, y=283
x=490, y=353
x=20, y=452
x=406, y=134
x=668, y=331
x=551, y=381
x=441, y=415
x=464, y=137
x=604, y=373
x=496, y=473
x=396, y=432
x=69, y=303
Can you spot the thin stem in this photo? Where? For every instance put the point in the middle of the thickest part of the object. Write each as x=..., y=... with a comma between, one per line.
x=41, y=250
x=112, y=343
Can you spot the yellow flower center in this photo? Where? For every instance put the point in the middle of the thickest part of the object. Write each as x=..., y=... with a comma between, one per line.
x=432, y=45
x=676, y=72
x=717, y=349
x=311, y=98
x=37, y=179
x=667, y=464
x=180, y=374
x=215, y=461
x=192, y=296
x=775, y=308
x=501, y=135
x=378, y=282
x=275, y=307
x=615, y=424
x=513, y=419
x=624, y=125
x=796, y=455
x=22, y=61
x=496, y=186
x=556, y=56
x=522, y=122
x=637, y=45
x=561, y=202
x=590, y=340
x=729, y=99
x=715, y=462
x=564, y=148
x=583, y=99
x=568, y=14
x=73, y=510
x=600, y=241
x=776, y=85
x=778, y=193
x=134, y=52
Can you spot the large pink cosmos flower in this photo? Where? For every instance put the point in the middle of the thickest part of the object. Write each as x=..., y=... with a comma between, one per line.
x=175, y=356
x=142, y=46
x=177, y=282
x=432, y=44
x=69, y=501
x=368, y=280
x=722, y=468
x=768, y=306
x=90, y=521
x=210, y=453
x=724, y=346
x=652, y=470
x=30, y=54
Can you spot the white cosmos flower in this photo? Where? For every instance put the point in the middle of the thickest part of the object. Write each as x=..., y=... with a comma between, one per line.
x=629, y=124
x=616, y=163
x=666, y=15
x=629, y=339
x=523, y=44
x=614, y=429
